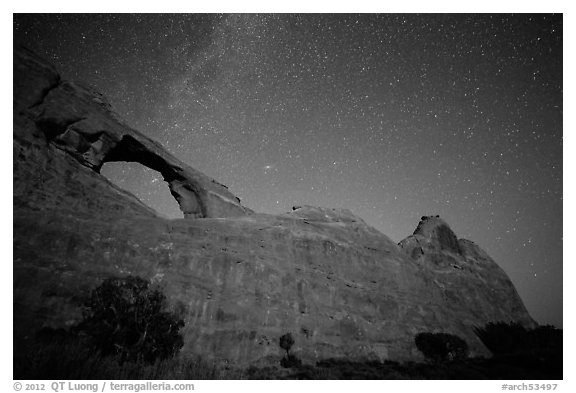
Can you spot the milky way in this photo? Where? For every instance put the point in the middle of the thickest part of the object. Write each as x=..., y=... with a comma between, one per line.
x=390, y=116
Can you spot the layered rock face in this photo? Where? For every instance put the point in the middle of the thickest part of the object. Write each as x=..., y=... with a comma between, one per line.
x=239, y=279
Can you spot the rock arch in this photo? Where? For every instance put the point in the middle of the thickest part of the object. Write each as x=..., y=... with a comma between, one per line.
x=189, y=196
x=146, y=184
x=78, y=120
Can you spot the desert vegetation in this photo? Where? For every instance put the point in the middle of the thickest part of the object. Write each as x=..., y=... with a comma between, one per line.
x=127, y=333
x=290, y=360
x=440, y=347
x=126, y=317
x=72, y=359
x=504, y=339
x=518, y=353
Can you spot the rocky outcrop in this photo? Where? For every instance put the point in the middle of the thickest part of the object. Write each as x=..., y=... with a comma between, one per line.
x=238, y=279
x=80, y=121
x=469, y=280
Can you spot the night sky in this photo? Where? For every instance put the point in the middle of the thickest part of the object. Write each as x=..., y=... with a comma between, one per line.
x=391, y=116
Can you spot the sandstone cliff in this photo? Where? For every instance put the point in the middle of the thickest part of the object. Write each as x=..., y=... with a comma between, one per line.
x=238, y=278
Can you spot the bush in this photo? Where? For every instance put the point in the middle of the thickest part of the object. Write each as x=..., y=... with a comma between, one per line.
x=441, y=346
x=72, y=359
x=546, y=337
x=125, y=317
x=286, y=342
x=509, y=338
x=502, y=338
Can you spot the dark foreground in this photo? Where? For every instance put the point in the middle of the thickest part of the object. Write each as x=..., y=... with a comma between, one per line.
x=77, y=362
x=520, y=366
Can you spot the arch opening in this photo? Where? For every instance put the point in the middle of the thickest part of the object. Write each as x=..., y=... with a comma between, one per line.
x=186, y=193
x=146, y=184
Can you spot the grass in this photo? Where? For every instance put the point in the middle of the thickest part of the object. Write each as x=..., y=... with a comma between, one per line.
x=73, y=360
x=537, y=366
x=76, y=361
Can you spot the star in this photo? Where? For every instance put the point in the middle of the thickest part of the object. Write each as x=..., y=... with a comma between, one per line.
x=390, y=116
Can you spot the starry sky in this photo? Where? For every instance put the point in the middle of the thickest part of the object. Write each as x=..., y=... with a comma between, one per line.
x=392, y=116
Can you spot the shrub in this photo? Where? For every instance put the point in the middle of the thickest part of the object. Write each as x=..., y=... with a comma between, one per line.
x=286, y=342
x=72, y=359
x=508, y=338
x=546, y=337
x=126, y=317
x=441, y=346
x=502, y=338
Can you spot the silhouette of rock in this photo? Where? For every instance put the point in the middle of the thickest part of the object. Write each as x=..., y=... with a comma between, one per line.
x=238, y=279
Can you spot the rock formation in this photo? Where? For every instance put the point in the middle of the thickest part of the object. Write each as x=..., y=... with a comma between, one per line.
x=239, y=279
x=80, y=121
